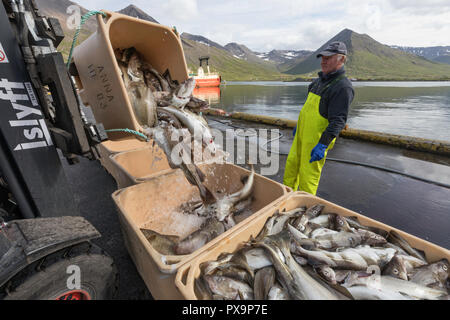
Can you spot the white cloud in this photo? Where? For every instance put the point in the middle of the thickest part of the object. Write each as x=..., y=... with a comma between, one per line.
x=263, y=25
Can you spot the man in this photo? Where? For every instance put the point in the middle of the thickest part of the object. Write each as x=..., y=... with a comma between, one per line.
x=321, y=119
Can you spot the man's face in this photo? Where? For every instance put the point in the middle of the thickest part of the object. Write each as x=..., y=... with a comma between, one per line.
x=331, y=63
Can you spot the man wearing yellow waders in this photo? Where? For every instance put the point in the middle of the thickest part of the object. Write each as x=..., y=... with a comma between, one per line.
x=321, y=119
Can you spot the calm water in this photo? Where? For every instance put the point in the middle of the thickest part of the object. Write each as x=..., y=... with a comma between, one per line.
x=420, y=109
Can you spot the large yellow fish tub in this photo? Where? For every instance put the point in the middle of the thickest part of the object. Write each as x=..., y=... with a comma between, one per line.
x=186, y=275
x=99, y=78
x=155, y=205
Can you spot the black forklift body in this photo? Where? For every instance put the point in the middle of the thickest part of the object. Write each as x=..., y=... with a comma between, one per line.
x=39, y=112
x=29, y=160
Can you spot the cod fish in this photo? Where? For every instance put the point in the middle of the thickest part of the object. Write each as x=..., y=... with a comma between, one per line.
x=396, y=239
x=400, y=266
x=182, y=95
x=222, y=208
x=208, y=231
x=359, y=258
x=434, y=275
x=142, y=99
x=163, y=137
x=228, y=288
x=390, y=284
x=278, y=293
x=264, y=281
x=164, y=244
x=311, y=213
x=299, y=283
x=197, y=128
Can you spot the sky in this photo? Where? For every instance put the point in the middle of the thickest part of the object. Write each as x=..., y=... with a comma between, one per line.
x=264, y=25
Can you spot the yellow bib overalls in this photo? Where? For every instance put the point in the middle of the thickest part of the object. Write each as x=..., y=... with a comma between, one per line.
x=299, y=174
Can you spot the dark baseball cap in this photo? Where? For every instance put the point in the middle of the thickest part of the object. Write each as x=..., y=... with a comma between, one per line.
x=333, y=48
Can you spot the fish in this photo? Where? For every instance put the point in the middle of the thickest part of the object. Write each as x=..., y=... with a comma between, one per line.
x=359, y=258
x=196, y=104
x=322, y=232
x=396, y=268
x=267, y=229
x=278, y=293
x=354, y=223
x=303, y=284
x=396, y=239
x=324, y=220
x=234, y=272
x=228, y=288
x=209, y=230
x=312, y=212
x=164, y=244
x=401, y=266
x=340, y=260
x=327, y=273
x=391, y=284
x=264, y=281
x=208, y=267
x=163, y=136
x=182, y=95
x=341, y=224
x=434, y=275
x=142, y=100
x=298, y=235
x=370, y=293
x=202, y=291
x=148, y=68
x=371, y=238
x=257, y=258
x=222, y=208
x=337, y=240
x=197, y=128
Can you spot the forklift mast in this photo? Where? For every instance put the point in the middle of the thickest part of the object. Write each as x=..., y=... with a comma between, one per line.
x=39, y=112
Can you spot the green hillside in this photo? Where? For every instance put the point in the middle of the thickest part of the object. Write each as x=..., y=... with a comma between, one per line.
x=228, y=66
x=371, y=60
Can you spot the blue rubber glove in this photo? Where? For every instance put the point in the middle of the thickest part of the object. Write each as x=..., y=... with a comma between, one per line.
x=295, y=130
x=318, y=153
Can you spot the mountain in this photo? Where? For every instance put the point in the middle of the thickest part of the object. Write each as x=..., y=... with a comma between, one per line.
x=135, y=12
x=202, y=40
x=233, y=62
x=438, y=54
x=283, y=56
x=371, y=60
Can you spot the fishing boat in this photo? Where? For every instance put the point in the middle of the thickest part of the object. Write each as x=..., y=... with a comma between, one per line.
x=209, y=79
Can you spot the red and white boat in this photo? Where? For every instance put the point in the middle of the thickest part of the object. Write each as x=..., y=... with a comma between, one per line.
x=209, y=79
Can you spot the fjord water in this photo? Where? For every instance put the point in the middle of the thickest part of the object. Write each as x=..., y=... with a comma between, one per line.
x=419, y=109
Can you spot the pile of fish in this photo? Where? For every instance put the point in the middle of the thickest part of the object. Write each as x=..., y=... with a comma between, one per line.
x=219, y=217
x=306, y=255
x=168, y=114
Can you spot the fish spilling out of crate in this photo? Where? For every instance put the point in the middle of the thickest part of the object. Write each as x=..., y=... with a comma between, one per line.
x=219, y=216
x=170, y=115
x=306, y=255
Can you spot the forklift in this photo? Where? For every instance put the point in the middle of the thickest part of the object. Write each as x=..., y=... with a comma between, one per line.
x=46, y=249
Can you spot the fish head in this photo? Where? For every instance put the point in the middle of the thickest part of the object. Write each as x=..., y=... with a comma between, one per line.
x=441, y=270
x=327, y=273
x=373, y=239
x=186, y=88
x=340, y=224
x=396, y=268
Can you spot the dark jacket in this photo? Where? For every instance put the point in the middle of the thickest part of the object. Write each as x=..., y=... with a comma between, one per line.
x=334, y=103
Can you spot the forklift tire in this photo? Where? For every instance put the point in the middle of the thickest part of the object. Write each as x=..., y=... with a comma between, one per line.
x=80, y=272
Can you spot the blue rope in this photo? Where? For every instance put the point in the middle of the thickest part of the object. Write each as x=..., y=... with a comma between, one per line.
x=83, y=20
x=143, y=136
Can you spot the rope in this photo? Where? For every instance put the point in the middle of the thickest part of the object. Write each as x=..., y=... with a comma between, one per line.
x=77, y=33
x=143, y=136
